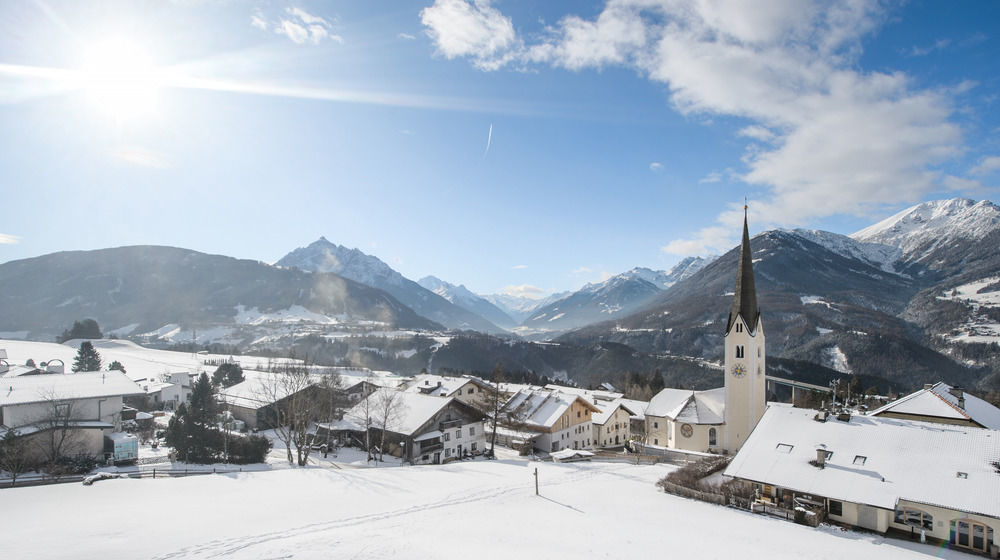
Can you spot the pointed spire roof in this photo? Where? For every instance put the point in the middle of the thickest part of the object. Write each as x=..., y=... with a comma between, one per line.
x=745, y=297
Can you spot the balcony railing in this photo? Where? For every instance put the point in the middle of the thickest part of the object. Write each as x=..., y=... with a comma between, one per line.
x=429, y=446
x=445, y=424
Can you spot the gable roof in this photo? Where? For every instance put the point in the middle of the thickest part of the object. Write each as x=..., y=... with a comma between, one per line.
x=939, y=401
x=902, y=459
x=414, y=410
x=260, y=389
x=690, y=407
x=440, y=385
x=745, y=294
x=608, y=410
x=542, y=408
x=66, y=386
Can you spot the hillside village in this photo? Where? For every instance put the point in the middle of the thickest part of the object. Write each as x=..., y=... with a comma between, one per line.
x=925, y=466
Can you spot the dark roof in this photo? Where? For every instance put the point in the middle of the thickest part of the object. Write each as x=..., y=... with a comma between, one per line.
x=745, y=297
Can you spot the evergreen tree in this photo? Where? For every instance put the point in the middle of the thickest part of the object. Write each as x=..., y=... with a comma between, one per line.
x=116, y=365
x=87, y=358
x=228, y=374
x=88, y=328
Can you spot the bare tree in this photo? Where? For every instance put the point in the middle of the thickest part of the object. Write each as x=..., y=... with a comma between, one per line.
x=298, y=398
x=363, y=415
x=59, y=435
x=389, y=411
x=494, y=411
x=15, y=455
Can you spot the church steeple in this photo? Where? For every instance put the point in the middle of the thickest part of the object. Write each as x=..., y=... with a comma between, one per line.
x=745, y=298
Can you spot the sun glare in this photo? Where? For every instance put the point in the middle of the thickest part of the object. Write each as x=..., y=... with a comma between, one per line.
x=120, y=79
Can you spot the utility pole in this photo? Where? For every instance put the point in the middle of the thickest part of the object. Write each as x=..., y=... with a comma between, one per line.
x=536, y=481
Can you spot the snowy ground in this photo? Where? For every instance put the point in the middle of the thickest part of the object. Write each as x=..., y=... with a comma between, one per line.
x=476, y=509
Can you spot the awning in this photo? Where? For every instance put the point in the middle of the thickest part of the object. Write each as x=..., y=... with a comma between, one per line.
x=428, y=435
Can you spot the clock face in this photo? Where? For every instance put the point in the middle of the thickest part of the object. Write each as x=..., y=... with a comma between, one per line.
x=739, y=370
x=687, y=430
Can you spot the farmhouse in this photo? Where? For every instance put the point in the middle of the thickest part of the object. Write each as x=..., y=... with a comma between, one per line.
x=943, y=404
x=879, y=473
x=470, y=390
x=612, y=425
x=552, y=420
x=422, y=429
x=65, y=414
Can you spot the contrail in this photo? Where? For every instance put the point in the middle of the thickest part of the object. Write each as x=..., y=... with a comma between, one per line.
x=489, y=140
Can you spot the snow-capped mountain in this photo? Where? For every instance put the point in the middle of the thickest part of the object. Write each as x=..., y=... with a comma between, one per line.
x=463, y=297
x=324, y=256
x=615, y=297
x=922, y=231
x=520, y=308
x=879, y=254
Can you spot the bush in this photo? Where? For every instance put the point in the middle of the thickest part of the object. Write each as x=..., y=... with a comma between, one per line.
x=249, y=449
x=76, y=464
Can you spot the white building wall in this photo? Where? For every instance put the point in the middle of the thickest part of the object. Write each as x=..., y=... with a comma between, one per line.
x=469, y=438
x=579, y=436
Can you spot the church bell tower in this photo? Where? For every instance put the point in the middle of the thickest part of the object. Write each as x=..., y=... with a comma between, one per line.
x=744, y=362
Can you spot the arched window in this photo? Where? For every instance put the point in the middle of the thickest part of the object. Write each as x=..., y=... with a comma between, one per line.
x=711, y=437
x=739, y=351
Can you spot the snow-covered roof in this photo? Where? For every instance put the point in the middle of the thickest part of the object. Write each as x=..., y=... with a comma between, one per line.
x=440, y=385
x=413, y=410
x=590, y=394
x=875, y=460
x=82, y=385
x=608, y=409
x=18, y=371
x=542, y=408
x=260, y=388
x=939, y=402
x=638, y=408
x=691, y=407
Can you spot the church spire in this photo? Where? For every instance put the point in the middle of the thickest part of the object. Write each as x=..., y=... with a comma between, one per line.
x=745, y=298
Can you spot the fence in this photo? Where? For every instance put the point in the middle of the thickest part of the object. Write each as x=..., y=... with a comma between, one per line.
x=678, y=490
x=148, y=473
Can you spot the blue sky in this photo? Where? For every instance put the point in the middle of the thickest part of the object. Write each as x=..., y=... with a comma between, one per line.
x=511, y=146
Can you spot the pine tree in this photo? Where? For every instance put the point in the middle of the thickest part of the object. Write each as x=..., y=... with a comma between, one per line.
x=87, y=358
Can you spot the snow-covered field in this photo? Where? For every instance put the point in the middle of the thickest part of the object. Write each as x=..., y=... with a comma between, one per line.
x=979, y=328
x=483, y=509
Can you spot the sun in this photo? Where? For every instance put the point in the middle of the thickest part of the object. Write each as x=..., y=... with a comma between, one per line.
x=120, y=78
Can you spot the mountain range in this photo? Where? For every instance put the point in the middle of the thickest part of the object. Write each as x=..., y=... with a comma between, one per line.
x=914, y=298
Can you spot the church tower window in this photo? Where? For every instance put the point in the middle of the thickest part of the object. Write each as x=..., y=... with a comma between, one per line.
x=739, y=351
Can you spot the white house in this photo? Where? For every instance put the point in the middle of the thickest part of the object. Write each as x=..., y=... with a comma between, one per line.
x=468, y=389
x=558, y=420
x=943, y=404
x=879, y=473
x=423, y=429
x=86, y=404
x=613, y=424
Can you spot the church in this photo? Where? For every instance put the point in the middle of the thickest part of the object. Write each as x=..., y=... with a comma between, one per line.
x=720, y=420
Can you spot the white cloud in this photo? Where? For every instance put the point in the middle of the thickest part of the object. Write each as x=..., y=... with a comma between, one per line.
x=938, y=45
x=709, y=240
x=519, y=267
x=141, y=157
x=406, y=36
x=581, y=270
x=987, y=165
x=656, y=166
x=962, y=185
x=712, y=177
x=475, y=30
x=257, y=20
x=298, y=25
x=524, y=291
x=829, y=138
x=7, y=239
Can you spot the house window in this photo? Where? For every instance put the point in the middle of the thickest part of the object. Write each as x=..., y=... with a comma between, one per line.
x=836, y=508
x=62, y=410
x=656, y=441
x=860, y=459
x=577, y=413
x=656, y=424
x=914, y=518
x=447, y=436
x=711, y=436
x=473, y=446
x=555, y=446
x=458, y=433
x=784, y=448
x=472, y=431
x=471, y=390
x=447, y=452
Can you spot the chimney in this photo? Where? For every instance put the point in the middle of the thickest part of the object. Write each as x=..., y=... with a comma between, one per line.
x=820, y=457
x=958, y=394
x=928, y=385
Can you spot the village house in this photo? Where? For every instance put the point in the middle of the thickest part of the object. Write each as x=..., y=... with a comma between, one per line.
x=943, y=404
x=421, y=429
x=612, y=425
x=257, y=400
x=549, y=420
x=468, y=389
x=82, y=407
x=879, y=473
